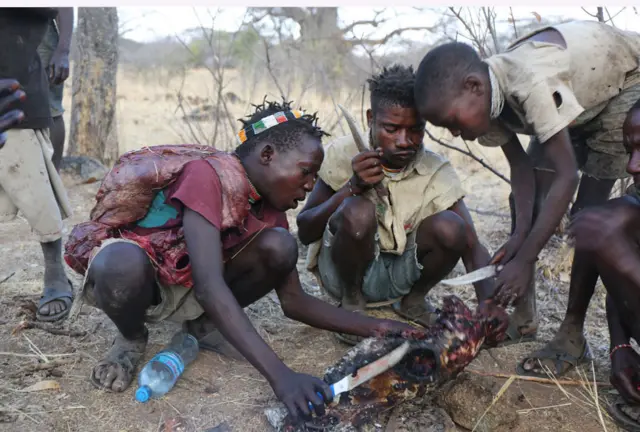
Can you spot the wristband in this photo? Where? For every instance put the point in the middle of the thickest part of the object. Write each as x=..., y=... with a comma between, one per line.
x=617, y=347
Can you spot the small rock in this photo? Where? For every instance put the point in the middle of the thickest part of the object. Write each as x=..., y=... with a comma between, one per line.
x=467, y=398
x=87, y=168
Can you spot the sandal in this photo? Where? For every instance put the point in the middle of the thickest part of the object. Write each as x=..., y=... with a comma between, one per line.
x=622, y=419
x=563, y=361
x=425, y=315
x=515, y=337
x=49, y=295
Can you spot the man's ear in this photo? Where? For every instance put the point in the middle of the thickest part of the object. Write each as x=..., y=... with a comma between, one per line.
x=369, y=117
x=474, y=84
x=266, y=154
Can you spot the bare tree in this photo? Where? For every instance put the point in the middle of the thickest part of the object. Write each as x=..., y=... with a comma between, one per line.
x=323, y=39
x=320, y=24
x=93, y=107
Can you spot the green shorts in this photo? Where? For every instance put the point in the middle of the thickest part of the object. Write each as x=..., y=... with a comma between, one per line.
x=389, y=276
x=45, y=50
x=598, y=143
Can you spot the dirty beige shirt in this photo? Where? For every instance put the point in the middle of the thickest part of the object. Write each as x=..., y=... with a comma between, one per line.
x=598, y=63
x=427, y=186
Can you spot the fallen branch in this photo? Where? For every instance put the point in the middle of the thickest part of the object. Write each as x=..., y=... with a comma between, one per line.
x=469, y=154
x=537, y=380
x=7, y=277
x=53, y=330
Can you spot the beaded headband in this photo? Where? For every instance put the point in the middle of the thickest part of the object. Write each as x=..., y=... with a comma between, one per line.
x=266, y=123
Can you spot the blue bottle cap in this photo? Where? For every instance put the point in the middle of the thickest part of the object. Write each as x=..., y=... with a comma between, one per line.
x=143, y=394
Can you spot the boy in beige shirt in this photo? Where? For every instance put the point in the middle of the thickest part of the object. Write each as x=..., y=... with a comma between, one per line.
x=369, y=250
x=569, y=87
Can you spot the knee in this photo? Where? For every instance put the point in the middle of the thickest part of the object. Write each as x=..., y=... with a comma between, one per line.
x=450, y=230
x=119, y=272
x=356, y=218
x=279, y=249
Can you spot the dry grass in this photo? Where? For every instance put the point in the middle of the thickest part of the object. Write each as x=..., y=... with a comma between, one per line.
x=216, y=389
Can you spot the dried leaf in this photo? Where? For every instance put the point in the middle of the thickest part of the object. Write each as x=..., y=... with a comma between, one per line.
x=537, y=15
x=43, y=385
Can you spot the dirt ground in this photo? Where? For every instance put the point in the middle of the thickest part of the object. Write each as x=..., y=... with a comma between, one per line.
x=217, y=390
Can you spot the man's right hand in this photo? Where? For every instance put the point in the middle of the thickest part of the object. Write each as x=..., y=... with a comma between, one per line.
x=625, y=374
x=367, y=170
x=296, y=390
x=9, y=95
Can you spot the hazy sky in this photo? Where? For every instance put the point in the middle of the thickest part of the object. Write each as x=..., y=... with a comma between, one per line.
x=149, y=23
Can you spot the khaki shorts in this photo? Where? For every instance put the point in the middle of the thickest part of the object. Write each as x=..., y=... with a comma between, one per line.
x=598, y=143
x=45, y=50
x=389, y=276
x=177, y=303
x=30, y=183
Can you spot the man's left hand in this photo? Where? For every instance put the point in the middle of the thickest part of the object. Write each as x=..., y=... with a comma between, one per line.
x=58, y=68
x=512, y=282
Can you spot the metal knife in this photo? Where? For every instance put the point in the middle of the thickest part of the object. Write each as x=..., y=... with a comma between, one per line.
x=474, y=276
x=369, y=371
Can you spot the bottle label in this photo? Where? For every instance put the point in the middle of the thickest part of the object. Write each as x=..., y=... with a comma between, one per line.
x=173, y=361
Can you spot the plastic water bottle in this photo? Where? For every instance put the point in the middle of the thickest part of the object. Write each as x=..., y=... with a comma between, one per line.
x=161, y=373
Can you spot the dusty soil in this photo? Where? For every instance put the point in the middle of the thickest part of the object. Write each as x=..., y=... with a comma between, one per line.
x=216, y=390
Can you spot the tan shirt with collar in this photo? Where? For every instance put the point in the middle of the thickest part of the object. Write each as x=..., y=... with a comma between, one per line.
x=550, y=87
x=428, y=185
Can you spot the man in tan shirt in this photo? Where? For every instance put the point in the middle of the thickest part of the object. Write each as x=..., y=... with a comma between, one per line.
x=569, y=87
x=368, y=249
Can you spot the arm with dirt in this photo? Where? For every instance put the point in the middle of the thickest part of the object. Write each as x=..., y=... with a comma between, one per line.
x=513, y=279
x=300, y=306
x=217, y=300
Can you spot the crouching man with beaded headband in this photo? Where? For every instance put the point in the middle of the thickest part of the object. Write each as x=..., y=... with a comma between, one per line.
x=569, y=87
x=373, y=250
x=194, y=235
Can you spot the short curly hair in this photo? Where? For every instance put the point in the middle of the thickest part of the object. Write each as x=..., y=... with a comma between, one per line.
x=392, y=87
x=285, y=136
x=441, y=73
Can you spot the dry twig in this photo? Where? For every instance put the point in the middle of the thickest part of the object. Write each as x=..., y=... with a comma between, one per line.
x=536, y=379
x=470, y=154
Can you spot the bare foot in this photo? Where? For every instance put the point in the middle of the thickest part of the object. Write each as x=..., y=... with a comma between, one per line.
x=115, y=371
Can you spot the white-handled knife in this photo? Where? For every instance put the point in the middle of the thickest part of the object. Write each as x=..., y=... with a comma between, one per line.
x=474, y=276
x=369, y=371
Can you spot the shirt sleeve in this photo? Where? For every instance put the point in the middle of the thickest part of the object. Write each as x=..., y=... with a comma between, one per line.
x=448, y=188
x=545, y=95
x=198, y=188
x=551, y=107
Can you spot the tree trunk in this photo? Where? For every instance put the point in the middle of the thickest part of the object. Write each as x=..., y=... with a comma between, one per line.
x=93, y=129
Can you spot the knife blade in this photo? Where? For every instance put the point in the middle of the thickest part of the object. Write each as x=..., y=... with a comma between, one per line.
x=474, y=276
x=369, y=371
